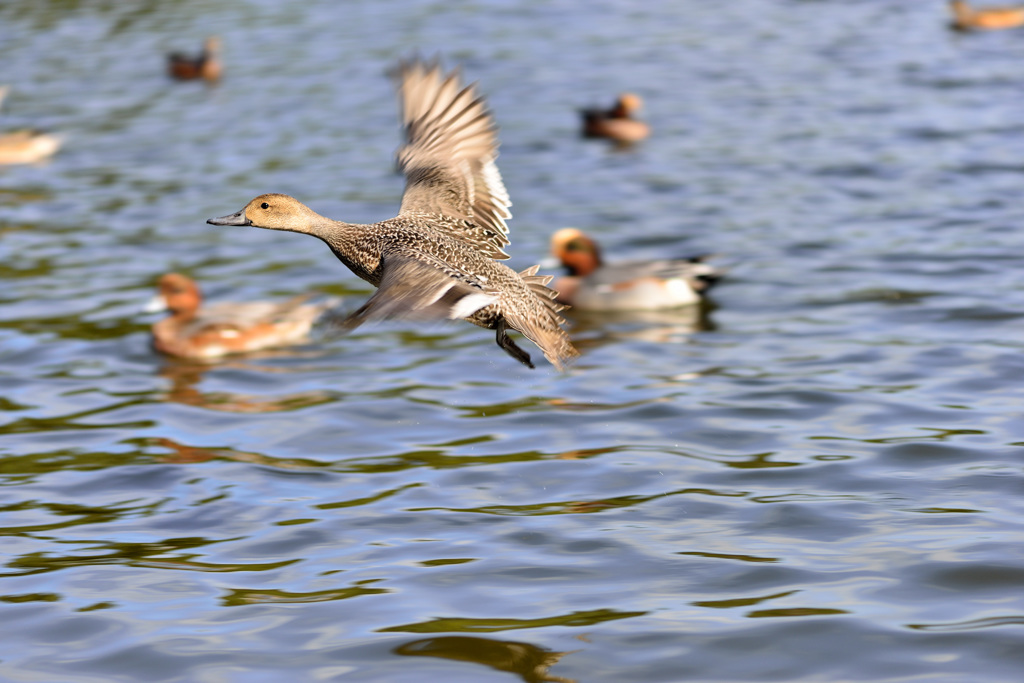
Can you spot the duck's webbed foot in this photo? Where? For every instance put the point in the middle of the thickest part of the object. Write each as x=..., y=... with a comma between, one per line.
x=506, y=343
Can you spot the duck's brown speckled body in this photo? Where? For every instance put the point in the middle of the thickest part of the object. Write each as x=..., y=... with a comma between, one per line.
x=437, y=257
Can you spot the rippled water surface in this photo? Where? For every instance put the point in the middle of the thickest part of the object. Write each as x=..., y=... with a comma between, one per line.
x=818, y=478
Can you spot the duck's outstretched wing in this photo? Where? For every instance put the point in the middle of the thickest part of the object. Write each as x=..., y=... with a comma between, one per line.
x=413, y=289
x=448, y=157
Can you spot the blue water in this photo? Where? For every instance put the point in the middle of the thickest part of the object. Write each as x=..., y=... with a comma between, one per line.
x=817, y=478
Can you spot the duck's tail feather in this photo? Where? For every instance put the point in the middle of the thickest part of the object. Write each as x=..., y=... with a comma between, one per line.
x=545, y=328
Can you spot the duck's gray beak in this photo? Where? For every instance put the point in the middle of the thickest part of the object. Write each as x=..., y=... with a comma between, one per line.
x=234, y=219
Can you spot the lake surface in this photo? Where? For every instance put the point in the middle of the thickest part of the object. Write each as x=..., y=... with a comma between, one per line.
x=817, y=478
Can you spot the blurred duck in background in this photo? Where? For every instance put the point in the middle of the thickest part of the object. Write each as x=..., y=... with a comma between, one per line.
x=592, y=285
x=967, y=18
x=205, y=65
x=25, y=146
x=616, y=123
x=206, y=333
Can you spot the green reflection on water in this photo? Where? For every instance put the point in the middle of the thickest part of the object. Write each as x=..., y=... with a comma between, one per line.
x=442, y=563
x=83, y=514
x=571, y=507
x=158, y=555
x=751, y=461
x=19, y=469
x=441, y=459
x=544, y=404
x=588, y=618
x=72, y=421
x=293, y=522
x=8, y=405
x=31, y=597
x=251, y=596
x=931, y=434
x=39, y=268
x=722, y=556
x=182, y=454
x=73, y=327
x=368, y=499
x=758, y=461
x=529, y=662
x=742, y=602
x=796, y=612
x=106, y=604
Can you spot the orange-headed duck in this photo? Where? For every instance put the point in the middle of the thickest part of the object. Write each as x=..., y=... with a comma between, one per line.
x=616, y=123
x=967, y=18
x=439, y=257
x=205, y=65
x=593, y=285
x=225, y=328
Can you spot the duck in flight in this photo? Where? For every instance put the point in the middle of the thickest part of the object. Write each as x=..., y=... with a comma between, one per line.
x=440, y=256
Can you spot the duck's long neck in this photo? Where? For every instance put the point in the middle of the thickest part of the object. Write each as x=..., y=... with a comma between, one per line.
x=352, y=243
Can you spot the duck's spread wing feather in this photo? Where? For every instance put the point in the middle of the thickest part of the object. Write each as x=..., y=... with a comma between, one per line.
x=448, y=157
x=411, y=288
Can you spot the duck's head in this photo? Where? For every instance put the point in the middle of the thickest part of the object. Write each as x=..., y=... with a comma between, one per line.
x=273, y=212
x=628, y=103
x=177, y=293
x=576, y=250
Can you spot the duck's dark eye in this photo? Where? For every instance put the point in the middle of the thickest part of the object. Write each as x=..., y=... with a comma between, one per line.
x=264, y=205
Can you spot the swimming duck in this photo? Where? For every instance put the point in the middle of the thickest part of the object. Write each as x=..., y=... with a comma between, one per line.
x=205, y=65
x=438, y=258
x=616, y=123
x=967, y=18
x=224, y=328
x=592, y=285
x=25, y=146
